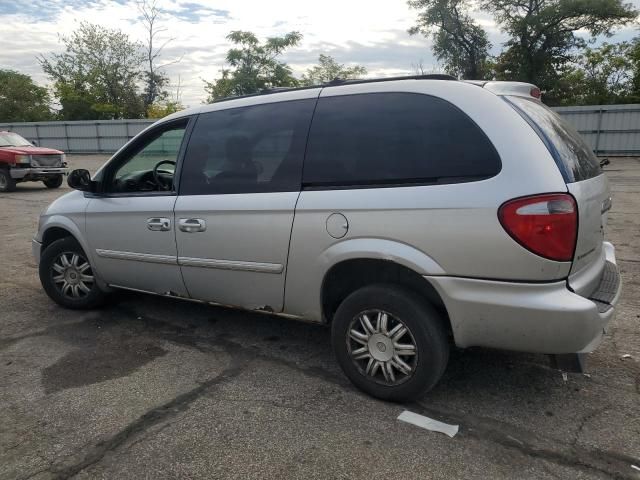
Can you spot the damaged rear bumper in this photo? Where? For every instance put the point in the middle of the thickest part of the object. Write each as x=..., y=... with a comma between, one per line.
x=530, y=317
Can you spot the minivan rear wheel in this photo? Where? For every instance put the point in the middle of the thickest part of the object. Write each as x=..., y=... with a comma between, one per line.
x=67, y=276
x=390, y=342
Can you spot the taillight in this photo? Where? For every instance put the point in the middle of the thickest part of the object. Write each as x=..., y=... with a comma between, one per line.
x=545, y=224
x=535, y=93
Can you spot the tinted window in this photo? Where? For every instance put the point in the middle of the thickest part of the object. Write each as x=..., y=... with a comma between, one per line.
x=249, y=149
x=575, y=158
x=390, y=138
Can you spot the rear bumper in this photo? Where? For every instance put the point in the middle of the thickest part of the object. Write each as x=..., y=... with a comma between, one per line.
x=37, y=173
x=529, y=317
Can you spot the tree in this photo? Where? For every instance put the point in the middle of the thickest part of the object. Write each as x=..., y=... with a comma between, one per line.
x=96, y=76
x=21, y=100
x=155, y=78
x=458, y=42
x=163, y=108
x=601, y=76
x=253, y=65
x=328, y=69
x=542, y=35
x=634, y=58
x=418, y=68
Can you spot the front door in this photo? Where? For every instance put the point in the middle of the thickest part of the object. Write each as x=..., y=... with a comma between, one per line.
x=130, y=223
x=238, y=191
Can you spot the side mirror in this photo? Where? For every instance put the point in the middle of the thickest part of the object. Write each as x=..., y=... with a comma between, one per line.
x=80, y=179
x=34, y=143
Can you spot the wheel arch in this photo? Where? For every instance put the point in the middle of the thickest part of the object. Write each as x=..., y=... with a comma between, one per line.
x=57, y=227
x=54, y=233
x=347, y=276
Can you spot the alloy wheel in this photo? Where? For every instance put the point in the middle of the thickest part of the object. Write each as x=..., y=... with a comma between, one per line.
x=382, y=347
x=72, y=275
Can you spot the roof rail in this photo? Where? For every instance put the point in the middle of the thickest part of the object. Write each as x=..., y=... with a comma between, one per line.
x=431, y=76
x=266, y=91
x=340, y=81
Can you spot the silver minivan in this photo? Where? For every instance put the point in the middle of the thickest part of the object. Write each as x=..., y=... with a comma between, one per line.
x=409, y=214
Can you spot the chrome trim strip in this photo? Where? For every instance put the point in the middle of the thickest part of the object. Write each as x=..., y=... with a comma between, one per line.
x=193, y=262
x=231, y=265
x=139, y=257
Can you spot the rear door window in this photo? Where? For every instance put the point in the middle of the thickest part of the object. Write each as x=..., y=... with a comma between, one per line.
x=574, y=157
x=394, y=138
x=248, y=149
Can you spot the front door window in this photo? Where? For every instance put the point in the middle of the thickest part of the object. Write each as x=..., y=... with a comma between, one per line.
x=150, y=166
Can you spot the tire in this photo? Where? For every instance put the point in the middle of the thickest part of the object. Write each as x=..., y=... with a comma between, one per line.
x=424, y=331
x=7, y=184
x=53, y=182
x=56, y=274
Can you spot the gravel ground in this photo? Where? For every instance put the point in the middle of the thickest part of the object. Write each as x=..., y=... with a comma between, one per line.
x=150, y=387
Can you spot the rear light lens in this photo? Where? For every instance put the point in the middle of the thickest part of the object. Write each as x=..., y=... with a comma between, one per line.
x=536, y=93
x=546, y=225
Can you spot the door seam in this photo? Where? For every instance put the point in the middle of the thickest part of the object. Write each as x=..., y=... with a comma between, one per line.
x=175, y=241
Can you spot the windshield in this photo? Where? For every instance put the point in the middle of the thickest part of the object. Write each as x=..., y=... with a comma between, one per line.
x=575, y=158
x=11, y=139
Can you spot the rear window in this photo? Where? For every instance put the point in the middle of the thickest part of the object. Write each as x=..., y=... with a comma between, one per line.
x=574, y=157
x=395, y=138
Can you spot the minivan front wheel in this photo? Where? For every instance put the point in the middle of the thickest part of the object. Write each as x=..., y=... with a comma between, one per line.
x=67, y=276
x=390, y=342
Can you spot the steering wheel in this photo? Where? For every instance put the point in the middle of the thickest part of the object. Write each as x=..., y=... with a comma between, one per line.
x=162, y=185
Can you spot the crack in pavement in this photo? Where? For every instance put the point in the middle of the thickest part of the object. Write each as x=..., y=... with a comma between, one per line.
x=586, y=419
x=75, y=464
x=612, y=464
x=31, y=475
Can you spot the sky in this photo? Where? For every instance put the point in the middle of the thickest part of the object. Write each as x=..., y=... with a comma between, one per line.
x=372, y=33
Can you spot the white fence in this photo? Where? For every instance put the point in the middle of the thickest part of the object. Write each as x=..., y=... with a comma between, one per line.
x=97, y=136
x=609, y=130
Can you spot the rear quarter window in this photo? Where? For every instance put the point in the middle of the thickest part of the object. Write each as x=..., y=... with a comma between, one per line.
x=574, y=157
x=382, y=139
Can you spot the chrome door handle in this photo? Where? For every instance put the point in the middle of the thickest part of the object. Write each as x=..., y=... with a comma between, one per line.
x=159, y=224
x=192, y=225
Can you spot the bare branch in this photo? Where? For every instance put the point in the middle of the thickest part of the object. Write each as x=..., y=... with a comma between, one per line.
x=173, y=62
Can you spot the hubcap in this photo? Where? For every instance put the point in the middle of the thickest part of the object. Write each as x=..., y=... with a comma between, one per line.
x=382, y=347
x=3, y=181
x=72, y=275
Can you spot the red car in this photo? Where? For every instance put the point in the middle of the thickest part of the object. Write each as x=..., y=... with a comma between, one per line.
x=20, y=161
